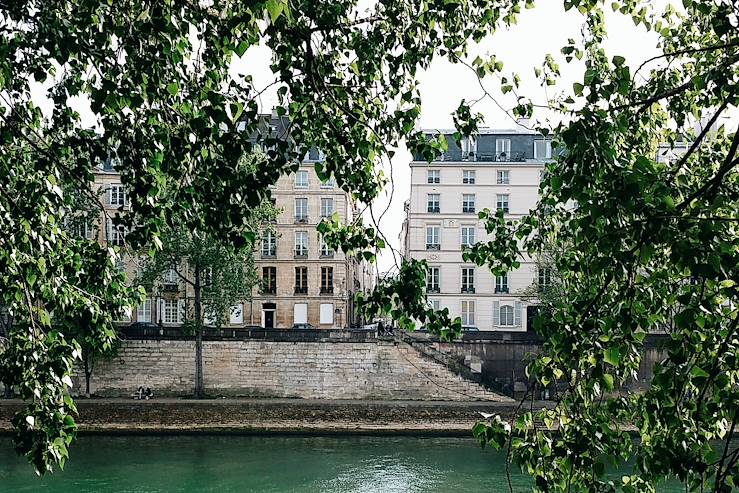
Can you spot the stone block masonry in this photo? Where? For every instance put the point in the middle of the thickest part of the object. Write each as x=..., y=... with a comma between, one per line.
x=377, y=370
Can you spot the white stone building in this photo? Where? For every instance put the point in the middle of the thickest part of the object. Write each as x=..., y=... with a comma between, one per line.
x=497, y=169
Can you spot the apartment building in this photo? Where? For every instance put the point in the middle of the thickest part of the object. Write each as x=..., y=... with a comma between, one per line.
x=303, y=280
x=496, y=170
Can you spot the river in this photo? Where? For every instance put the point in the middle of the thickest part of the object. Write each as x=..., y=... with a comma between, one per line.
x=285, y=464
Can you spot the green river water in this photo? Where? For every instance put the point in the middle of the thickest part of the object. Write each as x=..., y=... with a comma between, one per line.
x=207, y=463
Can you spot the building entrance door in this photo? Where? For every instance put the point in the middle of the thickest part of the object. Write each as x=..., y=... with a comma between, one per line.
x=268, y=315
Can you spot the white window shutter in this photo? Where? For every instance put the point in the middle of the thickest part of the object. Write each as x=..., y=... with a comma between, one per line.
x=180, y=311
x=496, y=313
x=300, y=313
x=160, y=311
x=327, y=313
x=517, y=314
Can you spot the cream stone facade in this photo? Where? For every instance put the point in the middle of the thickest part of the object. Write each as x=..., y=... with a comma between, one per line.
x=497, y=169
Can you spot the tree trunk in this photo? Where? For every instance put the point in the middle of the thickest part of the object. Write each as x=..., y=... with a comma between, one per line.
x=88, y=374
x=199, y=390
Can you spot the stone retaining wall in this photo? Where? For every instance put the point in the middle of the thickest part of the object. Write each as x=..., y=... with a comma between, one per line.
x=324, y=370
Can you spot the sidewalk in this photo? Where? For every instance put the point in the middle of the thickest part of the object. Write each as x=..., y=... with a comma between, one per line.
x=263, y=416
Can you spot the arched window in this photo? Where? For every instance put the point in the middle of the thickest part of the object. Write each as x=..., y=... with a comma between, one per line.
x=506, y=315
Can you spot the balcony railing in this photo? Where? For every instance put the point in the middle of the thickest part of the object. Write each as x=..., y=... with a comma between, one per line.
x=432, y=289
x=433, y=246
x=170, y=288
x=301, y=289
x=301, y=253
x=327, y=290
x=266, y=254
x=501, y=290
x=468, y=209
x=468, y=289
x=434, y=210
x=301, y=219
x=327, y=255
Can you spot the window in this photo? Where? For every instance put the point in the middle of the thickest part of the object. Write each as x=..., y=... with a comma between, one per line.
x=501, y=284
x=433, y=176
x=469, y=148
x=468, y=313
x=468, y=236
x=432, y=238
x=330, y=183
x=301, y=179
x=143, y=311
x=301, y=243
x=506, y=315
x=326, y=250
x=300, y=313
x=269, y=244
x=236, y=314
x=171, y=311
x=502, y=202
x=327, y=207
x=301, y=280
x=542, y=149
x=468, y=279
x=468, y=177
x=433, y=203
x=116, y=233
x=545, y=277
x=435, y=305
x=116, y=195
x=301, y=210
x=327, y=313
x=170, y=278
x=503, y=149
x=83, y=228
x=468, y=202
x=504, y=177
x=432, y=280
x=327, y=280
x=269, y=280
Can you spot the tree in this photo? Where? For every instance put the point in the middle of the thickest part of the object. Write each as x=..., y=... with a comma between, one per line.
x=644, y=205
x=218, y=274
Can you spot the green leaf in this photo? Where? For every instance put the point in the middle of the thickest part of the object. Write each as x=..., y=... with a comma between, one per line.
x=612, y=356
x=173, y=88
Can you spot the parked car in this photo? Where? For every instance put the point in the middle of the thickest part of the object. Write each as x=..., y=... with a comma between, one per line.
x=303, y=326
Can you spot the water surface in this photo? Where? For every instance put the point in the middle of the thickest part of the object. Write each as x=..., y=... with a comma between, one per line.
x=207, y=463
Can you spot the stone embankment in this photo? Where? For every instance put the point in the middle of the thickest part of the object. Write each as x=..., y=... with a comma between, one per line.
x=376, y=370
x=281, y=416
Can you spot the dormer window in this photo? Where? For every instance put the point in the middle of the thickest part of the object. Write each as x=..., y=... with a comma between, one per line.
x=469, y=148
x=503, y=149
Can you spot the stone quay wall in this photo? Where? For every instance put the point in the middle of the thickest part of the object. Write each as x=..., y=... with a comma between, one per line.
x=381, y=370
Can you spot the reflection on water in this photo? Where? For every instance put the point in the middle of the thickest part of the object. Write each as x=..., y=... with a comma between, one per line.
x=201, y=463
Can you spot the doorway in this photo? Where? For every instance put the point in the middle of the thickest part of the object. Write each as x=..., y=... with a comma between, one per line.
x=268, y=315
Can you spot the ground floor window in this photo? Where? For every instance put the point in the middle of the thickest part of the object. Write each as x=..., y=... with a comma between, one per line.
x=327, y=313
x=143, y=312
x=300, y=313
x=237, y=314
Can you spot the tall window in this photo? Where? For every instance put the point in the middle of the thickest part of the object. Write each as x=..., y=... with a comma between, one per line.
x=301, y=243
x=468, y=313
x=170, y=278
x=432, y=238
x=269, y=280
x=501, y=284
x=468, y=279
x=433, y=176
x=506, y=315
x=326, y=250
x=327, y=280
x=269, y=244
x=327, y=207
x=468, y=177
x=301, y=179
x=502, y=202
x=545, y=277
x=503, y=149
x=432, y=279
x=435, y=304
x=83, y=229
x=433, y=202
x=468, y=202
x=469, y=148
x=116, y=233
x=504, y=177
x=301, y=280
x=143, y=311
x=301, y=210
x=468, y=236
x=171, y=312
x=542, y=149
x=116, y=195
